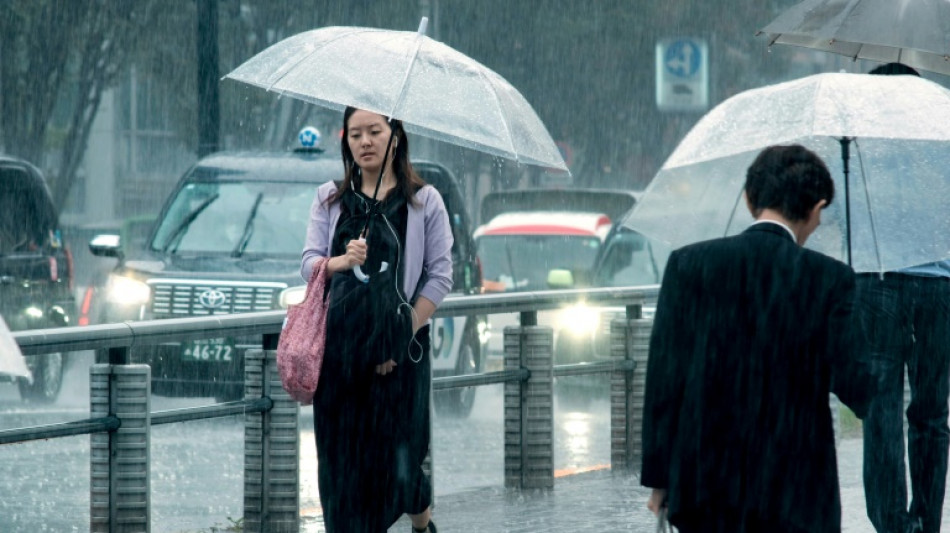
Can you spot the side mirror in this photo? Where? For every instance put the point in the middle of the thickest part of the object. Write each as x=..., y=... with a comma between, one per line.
x=560, y=278
x=105, y=245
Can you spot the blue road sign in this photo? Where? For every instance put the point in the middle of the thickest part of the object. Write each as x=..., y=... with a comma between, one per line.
x=682, y=74
x=683, y=58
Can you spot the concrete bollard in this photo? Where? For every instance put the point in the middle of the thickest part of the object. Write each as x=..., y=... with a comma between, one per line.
x=119, y=461
x=629, y=340
x=271, y=450
x=529, y=408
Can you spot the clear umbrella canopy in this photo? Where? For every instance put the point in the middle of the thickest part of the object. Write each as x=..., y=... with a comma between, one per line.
x=913, y=32
x=11, y=360
x=435, y=90
x=898, y=187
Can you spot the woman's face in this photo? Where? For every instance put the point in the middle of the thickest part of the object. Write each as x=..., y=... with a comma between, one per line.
x=367, y=135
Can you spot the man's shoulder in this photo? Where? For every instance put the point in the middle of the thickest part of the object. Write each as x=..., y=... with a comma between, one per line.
x=828, y=263
x=711, y=247
x=734, y=247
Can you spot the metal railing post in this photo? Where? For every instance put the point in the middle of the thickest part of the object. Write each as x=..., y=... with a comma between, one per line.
x=120, y=499
x=629, y=341
x=529, y=406
x=271, y=450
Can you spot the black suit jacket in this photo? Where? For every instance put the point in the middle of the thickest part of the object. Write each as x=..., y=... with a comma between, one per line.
x=751, y=334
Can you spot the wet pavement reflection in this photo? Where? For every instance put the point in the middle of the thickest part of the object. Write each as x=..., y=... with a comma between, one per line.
x=197, y=467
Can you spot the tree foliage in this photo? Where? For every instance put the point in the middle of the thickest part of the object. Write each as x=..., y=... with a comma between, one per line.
x=57, y=59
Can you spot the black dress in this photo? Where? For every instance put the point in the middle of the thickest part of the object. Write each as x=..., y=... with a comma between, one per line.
x=372, y=431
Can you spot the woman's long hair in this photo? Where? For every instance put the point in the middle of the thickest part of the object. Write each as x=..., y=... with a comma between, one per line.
x=407, y=181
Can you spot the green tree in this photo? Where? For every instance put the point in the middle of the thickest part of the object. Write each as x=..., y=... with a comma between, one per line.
x=58, y=56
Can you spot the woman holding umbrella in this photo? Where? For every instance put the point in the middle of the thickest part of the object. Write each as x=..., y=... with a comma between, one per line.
x=371, y=409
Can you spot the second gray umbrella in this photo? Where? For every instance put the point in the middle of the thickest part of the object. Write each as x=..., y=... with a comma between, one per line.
x=915, y=33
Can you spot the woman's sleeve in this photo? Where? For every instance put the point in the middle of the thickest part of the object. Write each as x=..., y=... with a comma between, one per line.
x=317, y=243
x=437, y=260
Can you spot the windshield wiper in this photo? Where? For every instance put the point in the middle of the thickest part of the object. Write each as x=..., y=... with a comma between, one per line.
x=179, y=231
x=248, y=228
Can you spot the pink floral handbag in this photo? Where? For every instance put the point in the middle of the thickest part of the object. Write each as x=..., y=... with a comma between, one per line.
x=302, y=339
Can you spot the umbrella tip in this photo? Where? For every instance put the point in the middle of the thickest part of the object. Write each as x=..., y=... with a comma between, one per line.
x=422, y=25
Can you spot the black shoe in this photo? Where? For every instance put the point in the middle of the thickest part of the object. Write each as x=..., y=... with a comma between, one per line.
x=429, y=528
x=914, y=526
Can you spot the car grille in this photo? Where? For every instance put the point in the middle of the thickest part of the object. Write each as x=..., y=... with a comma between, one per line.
x=176, y=298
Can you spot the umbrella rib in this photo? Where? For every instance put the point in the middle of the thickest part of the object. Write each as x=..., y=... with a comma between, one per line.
x=405, y=78
x=511, y=138
x=732, y=214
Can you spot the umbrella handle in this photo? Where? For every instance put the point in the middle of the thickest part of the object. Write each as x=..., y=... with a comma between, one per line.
x=358, y=272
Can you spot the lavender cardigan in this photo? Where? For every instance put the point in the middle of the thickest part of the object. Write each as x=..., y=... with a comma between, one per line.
x=428, y=241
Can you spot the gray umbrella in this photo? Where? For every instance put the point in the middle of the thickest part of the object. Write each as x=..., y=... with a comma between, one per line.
x=897, y=129
x=912, y=32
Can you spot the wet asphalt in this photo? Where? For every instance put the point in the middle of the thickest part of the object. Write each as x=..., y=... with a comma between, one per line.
x=197, y=471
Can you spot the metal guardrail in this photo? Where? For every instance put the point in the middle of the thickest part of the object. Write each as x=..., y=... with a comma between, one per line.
x=112, y=423
x=64, y=429
x=119, y=401
x=149, y=332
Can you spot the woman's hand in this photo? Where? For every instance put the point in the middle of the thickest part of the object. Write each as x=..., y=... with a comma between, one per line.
x=355, y=252
x=657, y=500
x=386, y=367
x=355, y=255
x=422, y=312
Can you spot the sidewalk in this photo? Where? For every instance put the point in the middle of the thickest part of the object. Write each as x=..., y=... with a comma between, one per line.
x=598, y=501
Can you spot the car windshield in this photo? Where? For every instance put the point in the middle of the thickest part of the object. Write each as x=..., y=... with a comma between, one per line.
x=26, y=213
x=522, y=262
x=236, y=218
x=630, y=259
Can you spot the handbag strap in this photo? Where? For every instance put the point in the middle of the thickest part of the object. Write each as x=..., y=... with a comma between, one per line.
x=319, y=269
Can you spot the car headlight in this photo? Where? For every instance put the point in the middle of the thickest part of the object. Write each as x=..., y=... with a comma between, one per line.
x=579, y=320
x=292, y=296
x=127, y=291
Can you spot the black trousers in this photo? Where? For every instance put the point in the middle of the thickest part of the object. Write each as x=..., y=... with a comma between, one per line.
x=905, y=321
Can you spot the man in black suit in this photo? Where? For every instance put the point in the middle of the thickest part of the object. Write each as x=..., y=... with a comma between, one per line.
x=750, y=336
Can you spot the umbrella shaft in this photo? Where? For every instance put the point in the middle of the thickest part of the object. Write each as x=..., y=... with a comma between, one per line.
x=845, y=158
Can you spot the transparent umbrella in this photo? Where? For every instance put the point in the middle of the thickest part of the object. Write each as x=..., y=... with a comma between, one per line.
x=912, y=32
x=884, y=138
x=435, y=90
x=11, y=360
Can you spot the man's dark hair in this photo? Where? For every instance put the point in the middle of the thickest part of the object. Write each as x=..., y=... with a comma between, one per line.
x=894, y=69
x=790, y=179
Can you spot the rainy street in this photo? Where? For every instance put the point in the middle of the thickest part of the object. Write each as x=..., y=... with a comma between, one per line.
x=197, y=467
x=696, y=220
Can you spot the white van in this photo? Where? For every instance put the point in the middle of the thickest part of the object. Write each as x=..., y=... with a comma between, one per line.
x=542, y=239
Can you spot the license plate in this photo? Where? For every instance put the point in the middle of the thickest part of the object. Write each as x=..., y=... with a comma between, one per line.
x=208, y=350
